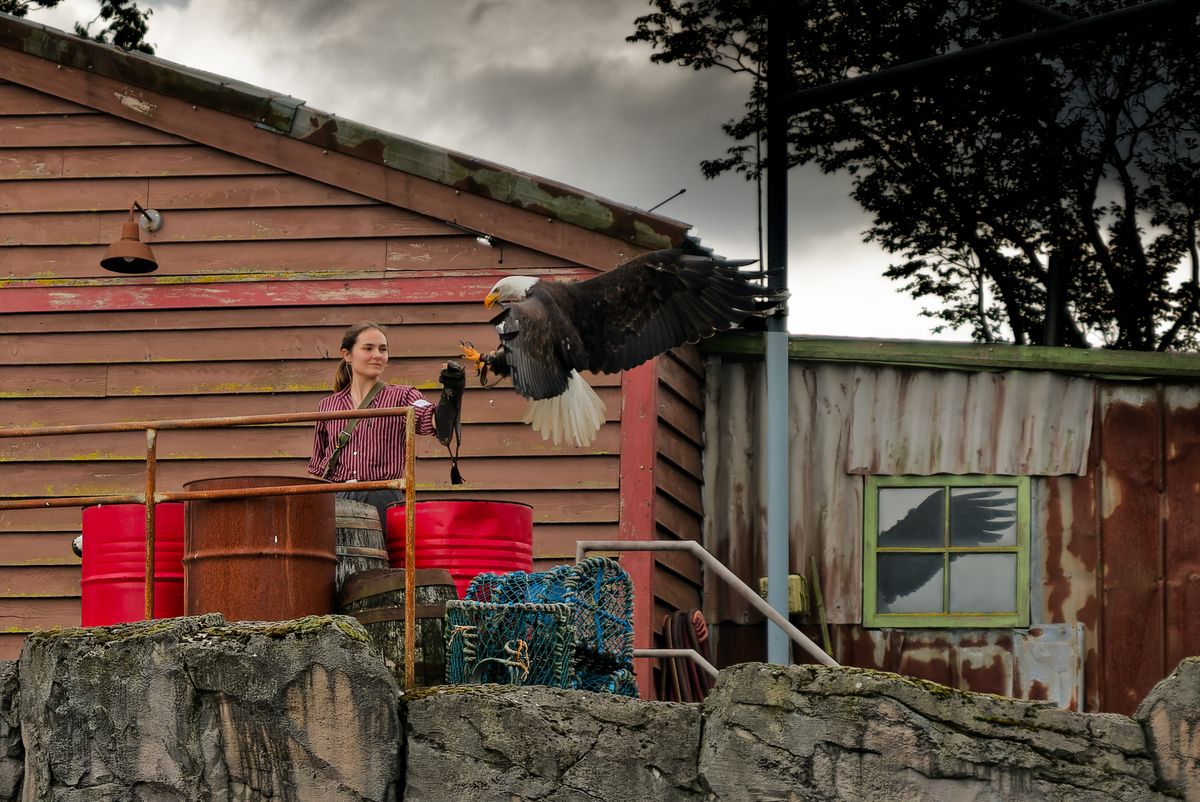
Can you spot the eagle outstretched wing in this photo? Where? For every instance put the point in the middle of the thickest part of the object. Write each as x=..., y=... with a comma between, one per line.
x=657, y=301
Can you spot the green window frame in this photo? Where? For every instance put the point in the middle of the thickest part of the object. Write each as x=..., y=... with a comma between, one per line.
x=970, y=572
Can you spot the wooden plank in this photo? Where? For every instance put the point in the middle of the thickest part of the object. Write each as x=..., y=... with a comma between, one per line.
x=10, y=646
x=1182, y=547
x=295, y=441
x=41, y=581
x=154, y=161
x=676, y=412
x=682, y=522
x=42, y=548
x=682, y=452
x=685, y=565
x=682, y=382
x=465, y=253
x=88, y=130
x=556, y=541
x=1132, y=633
x=676, y=592
x=164, y=194
x=46, y=522
x=677, y=484
x=192, y=319
x=269, y=259
x=689, y=357
x=53, y=381
x=21, y=100
x=33, y=479
x=89, y=347
x=301, y=290
x=141, y=162
x=213, y=225
x=27, y=615
x=479, y=406
x=29, y=164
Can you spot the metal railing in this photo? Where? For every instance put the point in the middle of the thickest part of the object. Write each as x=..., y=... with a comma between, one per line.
x=693, y=548
x=152, y=496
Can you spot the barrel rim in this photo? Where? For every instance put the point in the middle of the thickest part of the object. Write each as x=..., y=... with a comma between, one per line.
x=281, y=481
x=461, y=501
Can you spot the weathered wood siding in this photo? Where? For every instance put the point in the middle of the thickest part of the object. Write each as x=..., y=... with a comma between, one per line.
x=678, y=475
x=260, y=271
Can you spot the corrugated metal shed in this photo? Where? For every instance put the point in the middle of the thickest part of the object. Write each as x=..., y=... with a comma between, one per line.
x=1112, y=441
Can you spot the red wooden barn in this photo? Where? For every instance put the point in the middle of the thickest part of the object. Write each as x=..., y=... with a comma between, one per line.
x=282, y=225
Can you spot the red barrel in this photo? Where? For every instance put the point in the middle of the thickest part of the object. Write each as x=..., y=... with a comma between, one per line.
x=114, y=563
x=466, y=538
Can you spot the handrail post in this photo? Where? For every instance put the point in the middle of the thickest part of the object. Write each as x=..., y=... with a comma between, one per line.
x=151, y=480
x=711, y=562
x=410, y=548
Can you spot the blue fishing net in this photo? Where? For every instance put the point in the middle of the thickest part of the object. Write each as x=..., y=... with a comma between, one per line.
x=509, y=644
x=600, y=595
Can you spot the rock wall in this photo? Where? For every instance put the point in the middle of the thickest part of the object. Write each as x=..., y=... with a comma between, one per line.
x=198, y=709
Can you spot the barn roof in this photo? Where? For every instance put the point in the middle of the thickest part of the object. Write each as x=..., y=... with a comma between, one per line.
x=1098, y=362
x=291, y=117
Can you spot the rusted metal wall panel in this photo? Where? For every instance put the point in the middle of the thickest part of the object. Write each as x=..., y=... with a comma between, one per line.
x=1023, y=423
x=826, y=502
x=1132, y=625
x=1181, y=556
x=1066, y=555
x=1042, y=662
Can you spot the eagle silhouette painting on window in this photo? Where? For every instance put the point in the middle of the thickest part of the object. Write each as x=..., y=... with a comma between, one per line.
x=946, y=556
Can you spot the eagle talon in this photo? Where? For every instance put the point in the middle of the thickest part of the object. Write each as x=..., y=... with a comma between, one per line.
x=472, y=354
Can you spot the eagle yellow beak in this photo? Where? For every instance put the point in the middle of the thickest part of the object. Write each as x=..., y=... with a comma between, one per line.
x=491, y=299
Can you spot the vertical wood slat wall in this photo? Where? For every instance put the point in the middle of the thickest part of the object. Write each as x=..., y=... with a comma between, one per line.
x=260, y=271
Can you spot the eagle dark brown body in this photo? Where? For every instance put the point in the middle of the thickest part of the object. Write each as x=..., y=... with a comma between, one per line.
x=551, y=331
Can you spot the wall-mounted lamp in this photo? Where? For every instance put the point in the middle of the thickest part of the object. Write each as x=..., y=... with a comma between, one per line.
x=129, y=254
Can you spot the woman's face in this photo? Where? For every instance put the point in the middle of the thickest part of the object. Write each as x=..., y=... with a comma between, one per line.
x=369, y=356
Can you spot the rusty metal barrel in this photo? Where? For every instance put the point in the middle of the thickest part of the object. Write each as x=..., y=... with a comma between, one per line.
x=269, y=558
x=360, y=543
x=376, y=599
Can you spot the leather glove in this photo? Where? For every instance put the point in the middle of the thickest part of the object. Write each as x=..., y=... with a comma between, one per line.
x=453, y=378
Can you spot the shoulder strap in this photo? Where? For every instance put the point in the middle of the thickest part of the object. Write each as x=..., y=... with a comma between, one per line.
x=344, y=435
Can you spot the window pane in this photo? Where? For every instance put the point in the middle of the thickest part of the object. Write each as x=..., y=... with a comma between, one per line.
x=909, y=583
x=911, y=516
x=983, y=583
x=983, y=516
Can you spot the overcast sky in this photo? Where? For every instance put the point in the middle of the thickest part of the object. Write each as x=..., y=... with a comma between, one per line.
x=549, y=87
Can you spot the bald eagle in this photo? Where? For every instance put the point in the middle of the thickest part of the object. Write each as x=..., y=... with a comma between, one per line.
x=551, y=330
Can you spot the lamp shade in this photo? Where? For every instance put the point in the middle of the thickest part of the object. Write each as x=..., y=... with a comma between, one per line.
x=129, y=254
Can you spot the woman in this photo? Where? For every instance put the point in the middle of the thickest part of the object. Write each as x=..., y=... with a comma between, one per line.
x=375, y=449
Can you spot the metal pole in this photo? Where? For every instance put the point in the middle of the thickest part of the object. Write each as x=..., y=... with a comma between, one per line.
x=778, y=486
x=690, y=654
x=151, y=468
x=410, y=550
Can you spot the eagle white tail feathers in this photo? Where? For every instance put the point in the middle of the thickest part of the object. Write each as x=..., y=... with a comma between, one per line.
x=575, y=416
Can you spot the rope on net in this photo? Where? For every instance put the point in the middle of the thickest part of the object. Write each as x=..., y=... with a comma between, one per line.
x=599, y=594
x=509, y=644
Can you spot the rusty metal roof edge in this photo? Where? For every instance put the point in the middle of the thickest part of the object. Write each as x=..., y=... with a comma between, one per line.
x=290, y=117
x=1096, y=362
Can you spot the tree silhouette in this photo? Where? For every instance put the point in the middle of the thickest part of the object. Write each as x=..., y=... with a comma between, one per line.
x=124, y=24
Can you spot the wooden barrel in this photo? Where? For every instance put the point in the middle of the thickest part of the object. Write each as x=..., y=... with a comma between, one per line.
x=376, y=599
x=360, y=543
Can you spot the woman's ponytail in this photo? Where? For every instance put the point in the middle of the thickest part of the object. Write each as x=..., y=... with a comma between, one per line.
x=342, y=376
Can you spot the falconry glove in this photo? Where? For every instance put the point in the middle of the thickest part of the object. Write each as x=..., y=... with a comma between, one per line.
x=447, y=418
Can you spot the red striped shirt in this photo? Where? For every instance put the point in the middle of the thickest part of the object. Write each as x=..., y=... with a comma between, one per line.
x=376, y=447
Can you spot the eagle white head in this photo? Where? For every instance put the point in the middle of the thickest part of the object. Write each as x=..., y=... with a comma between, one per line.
x=509, y=289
